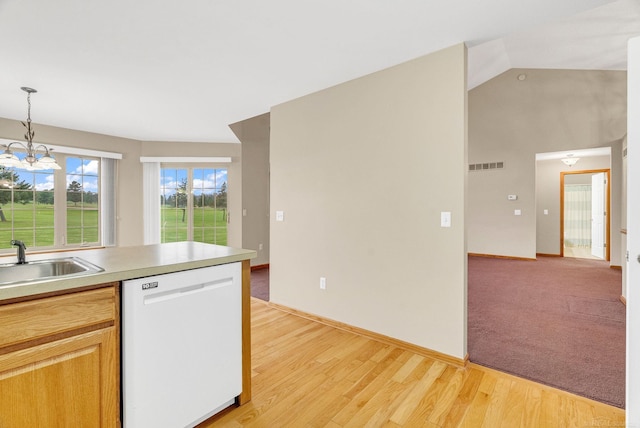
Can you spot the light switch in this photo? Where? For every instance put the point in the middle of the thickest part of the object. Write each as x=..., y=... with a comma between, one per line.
x=517, y=212
x=546, y=212
x=244, y=212
x=445, y=219
x=279, y=215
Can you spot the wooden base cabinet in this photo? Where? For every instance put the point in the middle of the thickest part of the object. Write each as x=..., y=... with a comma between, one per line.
x=59, y=361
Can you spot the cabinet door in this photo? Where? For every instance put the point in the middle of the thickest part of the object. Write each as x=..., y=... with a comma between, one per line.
x=66, y=383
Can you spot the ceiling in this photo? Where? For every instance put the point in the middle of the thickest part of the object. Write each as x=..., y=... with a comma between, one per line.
x=164, y=70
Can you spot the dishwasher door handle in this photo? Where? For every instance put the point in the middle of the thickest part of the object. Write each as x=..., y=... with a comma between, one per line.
x=163, y=296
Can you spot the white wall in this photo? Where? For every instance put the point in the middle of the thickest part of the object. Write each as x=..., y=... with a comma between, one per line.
x=633, y=239
x=362, y=171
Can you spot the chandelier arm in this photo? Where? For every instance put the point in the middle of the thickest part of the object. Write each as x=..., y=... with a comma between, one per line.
x=46, y=150
x=8, y=146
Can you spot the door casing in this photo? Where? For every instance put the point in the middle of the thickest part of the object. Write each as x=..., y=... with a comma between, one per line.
x=607, y=207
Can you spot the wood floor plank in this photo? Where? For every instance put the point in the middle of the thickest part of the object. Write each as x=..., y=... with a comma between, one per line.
x=549, y=409
x=411, y=364
x=307, y=374
x=497, y=404
x=531, y=414
x=514, y=406
x=475, y=415
x=445, y=401
x=472, y=379
x=417, y=393
x=431, y=400
x=369, y=385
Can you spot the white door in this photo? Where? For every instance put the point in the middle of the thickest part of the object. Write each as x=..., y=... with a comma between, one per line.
x=598, y=214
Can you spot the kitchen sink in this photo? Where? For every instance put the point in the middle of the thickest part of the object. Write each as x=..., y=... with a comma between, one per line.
x=38, y=270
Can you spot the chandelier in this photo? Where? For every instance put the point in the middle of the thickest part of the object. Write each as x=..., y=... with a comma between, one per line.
x=31, y=161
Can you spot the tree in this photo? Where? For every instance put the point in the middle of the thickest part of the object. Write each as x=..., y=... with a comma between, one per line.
x=45, y=197
x=9, y=183
x=90, y=197
x=74, y=192
x=221, y=197
x=181, y=196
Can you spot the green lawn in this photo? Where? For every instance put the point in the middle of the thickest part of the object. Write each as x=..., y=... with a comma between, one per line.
x=210, y=225
x=33, y=224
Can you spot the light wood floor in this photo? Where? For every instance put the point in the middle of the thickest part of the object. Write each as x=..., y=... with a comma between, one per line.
x=580, y=253
x=306, y=374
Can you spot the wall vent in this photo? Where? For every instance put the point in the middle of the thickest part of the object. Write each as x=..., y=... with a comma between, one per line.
x=486, y=166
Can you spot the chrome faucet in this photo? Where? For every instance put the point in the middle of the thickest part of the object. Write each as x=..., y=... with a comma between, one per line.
x=22, y=257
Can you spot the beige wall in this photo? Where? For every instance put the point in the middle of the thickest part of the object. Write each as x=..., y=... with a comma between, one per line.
x=362, y=172
x=511, y=120
x=129, y=199
x=254, y=135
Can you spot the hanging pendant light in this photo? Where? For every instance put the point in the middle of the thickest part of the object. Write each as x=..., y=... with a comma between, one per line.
x=31, y=161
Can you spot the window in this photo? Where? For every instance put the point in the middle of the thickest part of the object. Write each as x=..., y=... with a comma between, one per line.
x=26, y=207
x=193, y=205
x=58, y=209
x=83, y=201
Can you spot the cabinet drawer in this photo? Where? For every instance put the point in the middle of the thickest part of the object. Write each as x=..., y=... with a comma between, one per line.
x=35, y=319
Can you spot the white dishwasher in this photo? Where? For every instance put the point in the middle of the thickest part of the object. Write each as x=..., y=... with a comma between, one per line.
x=181, y=346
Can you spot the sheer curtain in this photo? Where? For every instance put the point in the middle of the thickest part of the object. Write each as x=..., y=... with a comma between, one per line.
x=151, y=209
x=109, y=180
x=577, y=215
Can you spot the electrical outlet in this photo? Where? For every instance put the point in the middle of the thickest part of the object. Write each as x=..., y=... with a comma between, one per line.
x=260, y=247
x=323, y=283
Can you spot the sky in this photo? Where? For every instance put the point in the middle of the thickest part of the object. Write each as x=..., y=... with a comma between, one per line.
x=84, y=171
x=205, y=180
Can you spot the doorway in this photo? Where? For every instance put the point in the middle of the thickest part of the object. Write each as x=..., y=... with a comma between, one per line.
x=584, y=214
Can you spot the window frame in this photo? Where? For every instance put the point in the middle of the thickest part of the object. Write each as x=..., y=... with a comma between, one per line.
x=107, y=198
x=190, y=167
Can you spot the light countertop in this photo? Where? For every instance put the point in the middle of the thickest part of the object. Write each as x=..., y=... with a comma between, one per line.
x=122, y=263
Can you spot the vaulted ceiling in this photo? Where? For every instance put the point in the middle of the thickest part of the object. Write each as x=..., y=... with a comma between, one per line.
x=183, y=71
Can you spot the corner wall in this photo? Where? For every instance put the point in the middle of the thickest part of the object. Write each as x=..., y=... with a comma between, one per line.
x=510, y=120
x=362, y=172
x=253, y=134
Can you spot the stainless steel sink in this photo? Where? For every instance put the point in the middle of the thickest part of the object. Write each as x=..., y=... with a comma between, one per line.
x=12, y=273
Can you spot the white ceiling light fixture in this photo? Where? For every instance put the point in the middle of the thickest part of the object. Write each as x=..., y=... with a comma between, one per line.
x=31, y=160
x=570, y=160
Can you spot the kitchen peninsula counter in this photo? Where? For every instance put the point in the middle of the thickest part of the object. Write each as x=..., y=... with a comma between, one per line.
x=68, y=331
x=123, y=263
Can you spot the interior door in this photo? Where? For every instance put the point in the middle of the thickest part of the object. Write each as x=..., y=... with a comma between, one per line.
x=598, y=215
